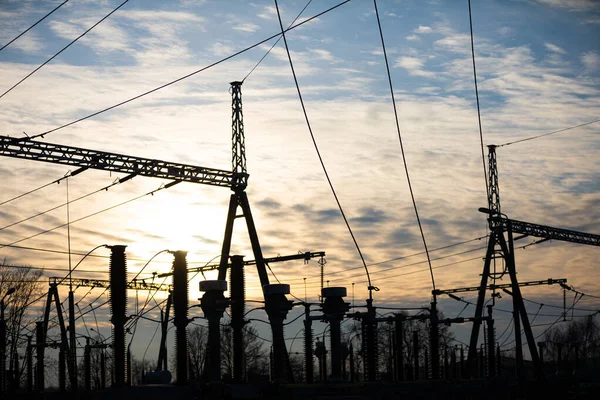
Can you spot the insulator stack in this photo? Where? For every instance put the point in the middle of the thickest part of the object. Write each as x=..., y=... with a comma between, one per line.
x=309, y=373
x=180, y=305
x=277, y=307
x=238, y=302
x=87, y=365
x=334, y=309
x=213, y=304
x=118, y=309
x=40, y=345
x=369, y=339
x=29, y=365
x=434, y=341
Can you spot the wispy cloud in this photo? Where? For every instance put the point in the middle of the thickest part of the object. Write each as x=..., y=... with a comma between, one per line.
x=554, y=48
x=413, y=65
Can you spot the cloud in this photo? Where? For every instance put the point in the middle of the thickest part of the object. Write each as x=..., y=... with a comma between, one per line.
x=423, y=29
x=413, y=65
x=247, y=27
x=412, y=38
x=322, y=54
x=268, y=12
x=572, y=5
x=591, y=61
x=554, y=48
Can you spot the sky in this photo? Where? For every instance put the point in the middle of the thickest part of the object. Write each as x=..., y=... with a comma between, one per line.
x=538, y=70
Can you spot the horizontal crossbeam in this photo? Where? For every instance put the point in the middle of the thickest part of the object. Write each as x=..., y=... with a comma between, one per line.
x=548, y=232
x=105, y=283
x=75, y=156
x=548, y=281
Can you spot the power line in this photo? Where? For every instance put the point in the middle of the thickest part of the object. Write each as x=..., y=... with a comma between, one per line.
x=401, y=266
x=76, y=172
x=412, y=196
x=370, y=287
x=79, y=253
x=116, y=182
x=32, y=26
x=550, y=133
x=275, y=44
x=63, y=49
x=487, y=189
x=96, y=213
x=188, y=75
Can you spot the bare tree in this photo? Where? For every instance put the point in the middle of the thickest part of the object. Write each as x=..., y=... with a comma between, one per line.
x=197, y=344
x=19, y=322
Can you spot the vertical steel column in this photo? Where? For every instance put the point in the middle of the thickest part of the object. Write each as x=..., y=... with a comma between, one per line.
x=213, y=304
x=87, y=365
x=180, y=305
x=161, y=364
x=434, y=341
x=29, y=365
x=118, y=307
x=352, y=368
x=2, y=348
x=399, y=335
x=237, y=292
x=40, y=347
x=16, y=375
x=491, y=344
x=309, y=374
x=72, y=351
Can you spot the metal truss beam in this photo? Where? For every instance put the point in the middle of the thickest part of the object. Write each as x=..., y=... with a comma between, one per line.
x=86, y=158
x=549, y=281
x=105, y=283
x=548, y=232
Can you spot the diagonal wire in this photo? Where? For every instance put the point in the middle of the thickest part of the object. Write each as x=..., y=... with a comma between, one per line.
x=64, y=48
x=116, y=182
x=92, y=215
x=402, y=146
x=487, y=189
x=370, y=287
x=32, y=26
x=275, y=44
x=550, y=133
x=185, y=76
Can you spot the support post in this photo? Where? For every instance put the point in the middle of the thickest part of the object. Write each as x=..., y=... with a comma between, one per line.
x=29, y=365
x=72, y=350
x=238, y=304
x=491, y=344
x=434, y=341
x=277, y=306
x=118, y=305
x=213, y=304
x=87, y=365
x=309, y=374
x=40, y=347
x=180, y=305
x=334, y=309
x=369, y=336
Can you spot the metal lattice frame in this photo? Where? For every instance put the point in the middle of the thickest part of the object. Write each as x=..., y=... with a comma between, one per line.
x=69, y=155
